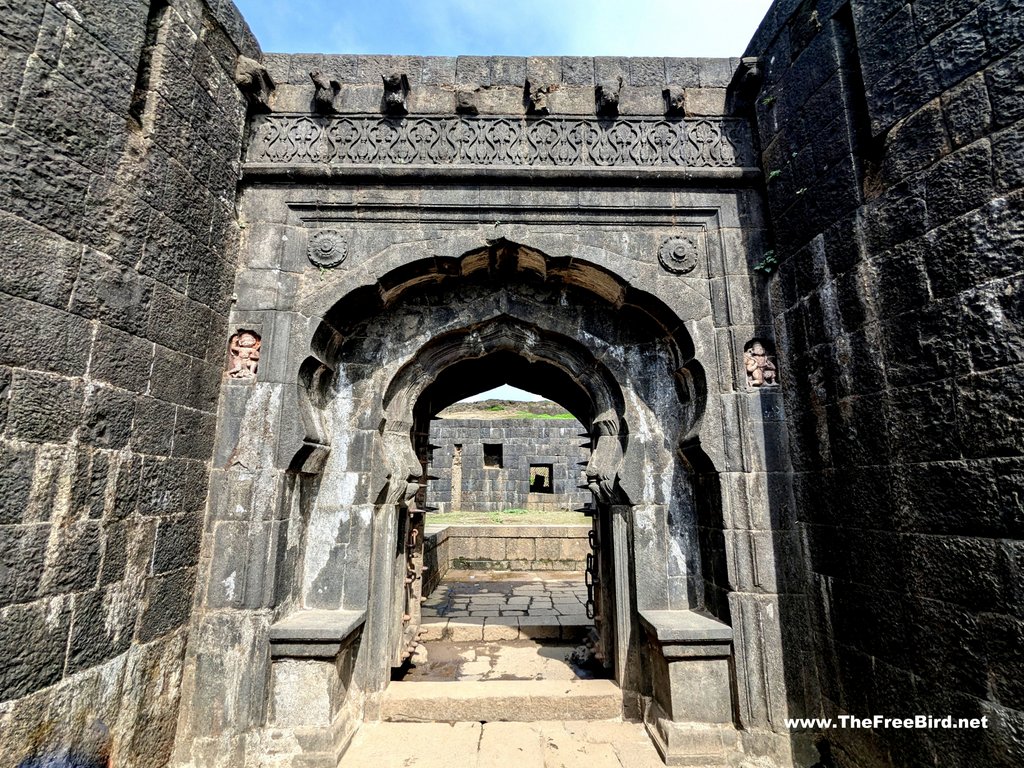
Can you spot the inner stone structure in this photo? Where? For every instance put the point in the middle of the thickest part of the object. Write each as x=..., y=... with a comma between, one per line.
x=491, y=465
x=781, y=294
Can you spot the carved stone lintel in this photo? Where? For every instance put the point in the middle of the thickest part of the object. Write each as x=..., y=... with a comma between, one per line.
x=328, y=248
x=244, y=355
x=760, y=365
x=682, y=253
x=325, y=94
x=606, y=98
x=255, y=83
x=396, y=94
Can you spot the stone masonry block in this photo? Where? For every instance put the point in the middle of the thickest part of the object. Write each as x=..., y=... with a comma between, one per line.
x=36, y=635
x=167, y=605
x=27, y=325
x=44, y=408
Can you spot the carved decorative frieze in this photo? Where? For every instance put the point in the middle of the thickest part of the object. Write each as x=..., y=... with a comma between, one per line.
x=683, y=253
x=502, y=141
x=243, y=355
x=760, y=365
x=327, y=248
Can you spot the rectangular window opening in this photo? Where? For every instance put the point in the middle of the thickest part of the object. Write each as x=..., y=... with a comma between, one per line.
x=144, y=73
x=542, y=478
x=868, y=148
x=492, y=455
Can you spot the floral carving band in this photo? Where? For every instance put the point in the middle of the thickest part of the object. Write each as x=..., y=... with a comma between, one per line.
x=502, y=141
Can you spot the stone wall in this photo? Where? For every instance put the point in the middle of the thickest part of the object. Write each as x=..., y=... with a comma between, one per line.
x=508, y=548
x=892, y=147
x=436, y=556
x=121, y=126
x=467, y=481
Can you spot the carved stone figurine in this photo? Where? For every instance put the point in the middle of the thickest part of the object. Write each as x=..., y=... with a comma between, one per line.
x=760, y=368
x=606, y=98
x=245, y=355
x=537, y=98
x=325, y=93
x=396, y=94
x=255, y=83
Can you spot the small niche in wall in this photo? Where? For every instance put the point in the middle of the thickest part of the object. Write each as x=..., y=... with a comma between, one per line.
x=759, y=363
x=243, y=355
x=541, y=476
x=492, y=455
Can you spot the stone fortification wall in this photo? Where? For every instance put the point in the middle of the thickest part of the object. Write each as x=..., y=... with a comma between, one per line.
x=121, y=125
x=892, y=145
x=485, y=465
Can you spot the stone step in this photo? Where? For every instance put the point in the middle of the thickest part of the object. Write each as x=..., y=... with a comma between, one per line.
x=495, y=629
x=521, y=701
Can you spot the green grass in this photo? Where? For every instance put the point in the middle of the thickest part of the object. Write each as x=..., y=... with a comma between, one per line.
x=509, y=517
x=526, y=415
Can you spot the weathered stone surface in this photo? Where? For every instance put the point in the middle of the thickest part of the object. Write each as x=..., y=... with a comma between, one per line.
x=924, y=275
x=496, y=699
x=85, y=245
x=891, y=154
x=36, y=637
x=168, y=603
x=44, y=408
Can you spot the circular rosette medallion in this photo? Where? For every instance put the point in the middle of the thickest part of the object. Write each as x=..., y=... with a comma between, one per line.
x=327, y=248
x=681, y=253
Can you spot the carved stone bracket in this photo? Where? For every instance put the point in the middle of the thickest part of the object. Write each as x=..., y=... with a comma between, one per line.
x=606, y=98
x=255, y=83
x=683, y=253
x=537, y=97
x=374, y=140
x=396, y=94
x=328, y=248
x=325, y=94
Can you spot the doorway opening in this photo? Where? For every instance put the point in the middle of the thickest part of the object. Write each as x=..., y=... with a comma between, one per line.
x=390, y=360
x=508, y=540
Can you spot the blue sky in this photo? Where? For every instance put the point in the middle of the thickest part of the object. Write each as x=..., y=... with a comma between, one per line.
x=507, y=27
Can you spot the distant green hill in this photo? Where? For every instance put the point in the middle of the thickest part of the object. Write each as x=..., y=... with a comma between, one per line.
x=505, y=409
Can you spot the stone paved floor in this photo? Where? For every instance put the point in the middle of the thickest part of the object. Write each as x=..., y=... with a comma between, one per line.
x=501, y=660
x=546, y=744
x=471, y=594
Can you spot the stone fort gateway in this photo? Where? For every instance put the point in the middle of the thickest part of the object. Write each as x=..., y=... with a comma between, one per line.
x=780, y=293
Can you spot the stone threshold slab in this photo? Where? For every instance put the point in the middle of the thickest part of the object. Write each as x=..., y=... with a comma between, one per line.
x=502, y=701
